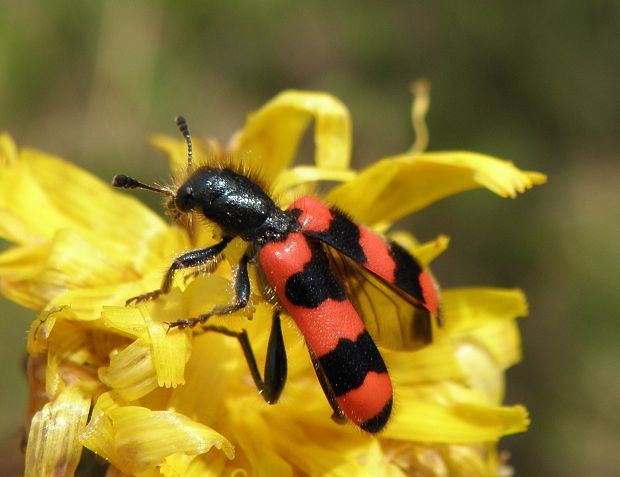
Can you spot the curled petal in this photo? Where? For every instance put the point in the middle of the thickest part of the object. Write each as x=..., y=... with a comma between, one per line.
x=131, y=371
x=271, y=136
x=136, y=439
x=397, y=186
x=53, y=447
x=295, y=176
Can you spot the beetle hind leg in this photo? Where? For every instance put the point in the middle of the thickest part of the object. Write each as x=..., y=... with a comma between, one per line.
x=271, y=384
x=338, y=415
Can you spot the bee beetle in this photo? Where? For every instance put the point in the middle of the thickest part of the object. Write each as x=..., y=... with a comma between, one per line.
x=336, y=279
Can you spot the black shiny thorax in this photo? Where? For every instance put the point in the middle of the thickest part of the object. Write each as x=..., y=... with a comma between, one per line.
x=235, y=203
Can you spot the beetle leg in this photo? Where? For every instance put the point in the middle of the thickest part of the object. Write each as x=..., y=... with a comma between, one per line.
x=275, y=362
x=193, y=258
x=242, y=297
x=337, y=415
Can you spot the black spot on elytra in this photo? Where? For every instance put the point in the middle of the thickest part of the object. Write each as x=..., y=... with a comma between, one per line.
x=407, y=272
x=347, y=365
x=377, y=423
x=344, y=235
x=315, y=284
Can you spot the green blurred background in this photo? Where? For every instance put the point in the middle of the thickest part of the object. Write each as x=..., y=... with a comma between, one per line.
x=534, y=82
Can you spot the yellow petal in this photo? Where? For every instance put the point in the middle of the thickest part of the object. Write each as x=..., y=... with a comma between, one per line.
x=471, y=460
x=98, y=435
x=19, y=271
x=35, y=276
x=135, y=439
x=40, y=330
x=8, y=150
x=174, y=466
x=205, y=465
x=53, y=447
x=170, y=353
x=501, y=339
x=71, y=198
x=481, y=370
x=467, y=308
x=296, y=176
x=397, y=186
x=215, y=364
x=127, y=321
x=369, y=460
x=21, y=203
x=433, y=363
x=271, y=136
x=131, y=371
x=175, y=150
x=69, y=349
x=314, y=457
x=253, y=437
x=86, y=304
x=425, y=252
x=89, y=204
x=423, y=421
x=429, y=251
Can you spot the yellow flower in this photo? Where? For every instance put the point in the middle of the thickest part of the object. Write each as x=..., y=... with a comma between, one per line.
x=111, y=379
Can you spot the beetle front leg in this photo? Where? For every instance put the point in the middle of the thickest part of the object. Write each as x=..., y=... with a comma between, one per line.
x=191, y=259
x=243, y=293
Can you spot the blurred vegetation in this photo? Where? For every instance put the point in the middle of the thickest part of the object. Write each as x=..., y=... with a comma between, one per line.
x=534, y=82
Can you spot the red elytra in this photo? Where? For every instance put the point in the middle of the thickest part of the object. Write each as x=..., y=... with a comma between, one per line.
x=331, y=326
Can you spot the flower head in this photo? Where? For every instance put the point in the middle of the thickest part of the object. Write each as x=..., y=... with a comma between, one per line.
x=112, y=379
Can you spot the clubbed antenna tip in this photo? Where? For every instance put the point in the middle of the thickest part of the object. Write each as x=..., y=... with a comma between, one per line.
x=125, y=182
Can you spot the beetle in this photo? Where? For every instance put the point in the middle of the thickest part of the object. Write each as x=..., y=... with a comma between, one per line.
x=335, y=278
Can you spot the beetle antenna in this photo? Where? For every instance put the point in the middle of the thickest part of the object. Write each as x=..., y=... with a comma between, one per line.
x=183, y=127
x=125, y=182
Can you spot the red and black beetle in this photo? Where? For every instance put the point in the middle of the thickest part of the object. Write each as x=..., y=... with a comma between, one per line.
x=326, y=272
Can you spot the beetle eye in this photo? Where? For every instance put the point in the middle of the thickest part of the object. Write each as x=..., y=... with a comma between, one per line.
x=185, y=199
